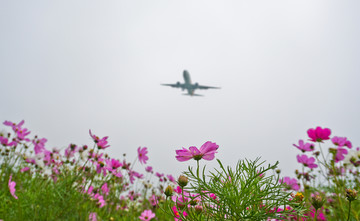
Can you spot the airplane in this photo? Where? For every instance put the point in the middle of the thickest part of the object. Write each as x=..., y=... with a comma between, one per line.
x=189, y=86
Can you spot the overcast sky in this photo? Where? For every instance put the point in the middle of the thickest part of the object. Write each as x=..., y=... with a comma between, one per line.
x=283, y=67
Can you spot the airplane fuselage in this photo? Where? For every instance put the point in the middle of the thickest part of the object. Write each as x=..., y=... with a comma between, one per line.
x=188, y=84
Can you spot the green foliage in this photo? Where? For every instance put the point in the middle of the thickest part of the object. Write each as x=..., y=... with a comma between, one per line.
x=243, y=193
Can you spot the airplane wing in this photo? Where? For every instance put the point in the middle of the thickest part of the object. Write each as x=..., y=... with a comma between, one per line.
x=177, y=85
x=206, y=87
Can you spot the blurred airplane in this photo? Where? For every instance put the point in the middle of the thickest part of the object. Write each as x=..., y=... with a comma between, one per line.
x=189, y=86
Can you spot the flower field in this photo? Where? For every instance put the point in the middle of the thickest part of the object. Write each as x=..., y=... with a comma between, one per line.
x=81, y=182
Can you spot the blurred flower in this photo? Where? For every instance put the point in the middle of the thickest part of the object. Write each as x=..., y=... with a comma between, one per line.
x=351, y=194
x=171, y=178
x=319, y=134
x=39, y=145
x=207, y=152
x=307, y=162
x=340, y=152
x=92, y=217
x=101, y=143
x=176, y=214
x=5, y=142
x=147, y=215
x=149, y=169
x=112, y=166
x=291, y=183
x=142, y=155
x=105, y=189
x=12, y=185
x=317, y=201
x=304, y=146
x=24, y=169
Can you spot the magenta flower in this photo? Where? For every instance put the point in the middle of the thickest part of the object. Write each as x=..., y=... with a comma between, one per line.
x=24, y=169
x=105, y=189
x=149, y=169
x=307, y=162
x=101, y=143
x=340, y=152
x=147, y=215
x=341, y=141
x=39, y=145
x=5, y=142
x=319, y=134
x=12, y=185
x=92, y=217
x=207, y=152
x=290, y=183
x=142, y=155
x=171, y=178
x=112, y=165
x=304, y=146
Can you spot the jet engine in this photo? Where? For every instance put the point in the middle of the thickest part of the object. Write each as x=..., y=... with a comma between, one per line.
x=196, y=85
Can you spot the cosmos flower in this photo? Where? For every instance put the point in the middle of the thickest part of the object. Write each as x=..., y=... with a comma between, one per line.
x=101, y=143
x=92, y=217
x=142, y=155
x=291, y=183
x=304, y=146
x=147, y=215
x=319, y=134
x=307, y=161
x=207, y=152
x=341, y=141
x=12, y=185
x=340, y=152
x=149, y=169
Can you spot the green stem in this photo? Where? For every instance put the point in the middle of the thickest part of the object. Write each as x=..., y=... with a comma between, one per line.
x=349, y=210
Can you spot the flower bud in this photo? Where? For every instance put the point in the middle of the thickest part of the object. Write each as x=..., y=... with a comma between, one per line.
x=351, y=194
x=183, y=181
x=169, y=191
x=278, y=171
x=317, y=202
x=198, y=209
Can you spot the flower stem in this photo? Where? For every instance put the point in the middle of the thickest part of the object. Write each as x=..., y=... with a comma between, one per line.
x=349, y=210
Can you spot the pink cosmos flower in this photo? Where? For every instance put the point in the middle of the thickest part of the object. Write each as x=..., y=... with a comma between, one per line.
x=92, y=217
x=291, y=183
x=149, y=169
x=176, y=213
x=24, y=169
x=12, y=185
x=207, y=152
x=101, y=143
x=340, y=152
x=308, y=162
x=142, y=155
x=5, y=142
x=39, y=145
x=304, y=146
x=112, y=165
x=171, y=178
x=14, y=126
x=147, y=215
x=319, y=134
x=71, y=150
x=341, y=141
x=153, y=200
x=105, y=189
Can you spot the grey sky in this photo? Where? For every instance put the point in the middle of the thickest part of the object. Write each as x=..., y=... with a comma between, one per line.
x=283, y=66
